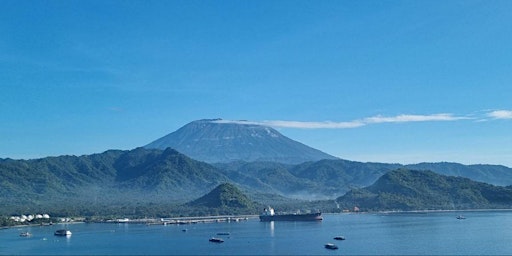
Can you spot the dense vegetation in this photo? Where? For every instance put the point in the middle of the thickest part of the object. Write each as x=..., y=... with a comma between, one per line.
x=425, y=190
x=329, y=179
x=225, y=199
x=127, y=182
x=111, y=181
x=325, y=179
x=149, y=182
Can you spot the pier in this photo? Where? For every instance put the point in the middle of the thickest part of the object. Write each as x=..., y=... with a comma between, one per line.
x=184, y=220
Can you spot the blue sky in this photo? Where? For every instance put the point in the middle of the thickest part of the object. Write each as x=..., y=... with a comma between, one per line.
x=385, y=81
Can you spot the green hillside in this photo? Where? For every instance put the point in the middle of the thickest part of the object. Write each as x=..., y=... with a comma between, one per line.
x=152, y=182
x=225, y=199
x=106, y=182
x=425, y=190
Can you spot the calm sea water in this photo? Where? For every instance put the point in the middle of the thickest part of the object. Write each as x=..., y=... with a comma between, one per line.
x=440, y=233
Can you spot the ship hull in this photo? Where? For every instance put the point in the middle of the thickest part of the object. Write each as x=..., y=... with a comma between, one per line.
x=292, y=217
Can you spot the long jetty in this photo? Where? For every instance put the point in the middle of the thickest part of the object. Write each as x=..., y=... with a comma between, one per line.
x=184, y=220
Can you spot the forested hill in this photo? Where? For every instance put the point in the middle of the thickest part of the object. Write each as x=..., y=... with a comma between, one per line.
x=492, y=174
x=146, y=176
x=139, y=175
x=332, y=178
x=226, y=199
x=425, y=190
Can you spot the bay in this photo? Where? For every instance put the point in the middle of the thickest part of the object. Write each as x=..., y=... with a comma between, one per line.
x=425, y=233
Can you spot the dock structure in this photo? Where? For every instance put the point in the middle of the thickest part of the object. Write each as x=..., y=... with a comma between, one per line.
x=184, y=220
x=205, y=219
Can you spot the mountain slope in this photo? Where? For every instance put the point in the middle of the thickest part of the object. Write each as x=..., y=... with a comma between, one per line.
x=332, y=178
x=337, y=174
x=492, y=174
x=420, y=190
x=151, y=175
x=168, y=173
x=310, y=180
x=225, y=199
x=215, y=140
x=224, y=195
x=139, y=175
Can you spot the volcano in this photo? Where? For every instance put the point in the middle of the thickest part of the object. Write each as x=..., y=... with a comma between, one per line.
x=221, y=141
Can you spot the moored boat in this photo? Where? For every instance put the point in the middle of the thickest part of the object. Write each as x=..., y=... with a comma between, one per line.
x=270, y=215
x=331, y=246
x=216, y=240
x=25, y=234
x=339, y=238
x=62, y=232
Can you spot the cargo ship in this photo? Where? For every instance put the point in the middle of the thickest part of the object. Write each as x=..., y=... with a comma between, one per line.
x=269, y=215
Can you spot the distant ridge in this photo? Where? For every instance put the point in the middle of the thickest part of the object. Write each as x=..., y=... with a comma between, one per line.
x=405, y=189
x=218, y=141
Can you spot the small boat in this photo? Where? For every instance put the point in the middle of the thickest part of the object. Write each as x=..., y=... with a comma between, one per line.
x=331, y=246
x=460, y=217
x=339, y=238
x=25, y=234
x=62, y=232
x=216, y=240
x=223, y=234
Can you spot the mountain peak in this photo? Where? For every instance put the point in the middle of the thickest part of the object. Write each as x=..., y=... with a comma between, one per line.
x=218, y=140
x=208, y=120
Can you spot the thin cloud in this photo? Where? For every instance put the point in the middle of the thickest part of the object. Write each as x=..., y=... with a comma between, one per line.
x=413, y=118
x=297, y=124
x=352, y=124
x=314, y=125
x=500, y=114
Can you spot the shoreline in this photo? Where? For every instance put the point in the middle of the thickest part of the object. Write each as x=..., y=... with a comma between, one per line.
x=234, y=218
x=39, y=225
x=434, y=211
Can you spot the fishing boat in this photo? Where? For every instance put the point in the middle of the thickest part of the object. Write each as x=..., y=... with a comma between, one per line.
x=25, y=234
x=216, y=240
x=62, y=232
x=331, y=246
